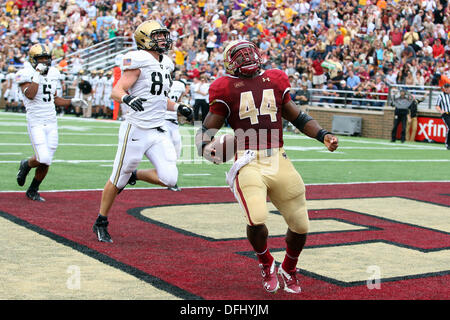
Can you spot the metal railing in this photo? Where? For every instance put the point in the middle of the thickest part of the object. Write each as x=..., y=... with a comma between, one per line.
x=368, y=100
x=101, y=55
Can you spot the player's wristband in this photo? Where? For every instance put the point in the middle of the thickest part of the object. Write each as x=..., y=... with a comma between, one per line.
x=36, y=77
x=321, y=135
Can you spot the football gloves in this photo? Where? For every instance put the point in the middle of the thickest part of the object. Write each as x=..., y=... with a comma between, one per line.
x=185, y=111
x=135, y=103
x=42, y=68
x=78, y=103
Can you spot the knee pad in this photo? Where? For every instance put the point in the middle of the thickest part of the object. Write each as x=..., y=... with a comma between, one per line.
x=169, y=176
x=121, y=181
x=300, y=222
x=43, y=155
x=45, y=160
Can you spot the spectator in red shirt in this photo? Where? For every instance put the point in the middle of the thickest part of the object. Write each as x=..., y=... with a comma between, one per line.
x=339, y=41
x=438, y=49
x=396, y=37
x=318, y=73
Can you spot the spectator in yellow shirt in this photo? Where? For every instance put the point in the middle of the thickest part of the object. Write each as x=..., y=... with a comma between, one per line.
x=9, y=8
x=180, y=56
x=289, y=14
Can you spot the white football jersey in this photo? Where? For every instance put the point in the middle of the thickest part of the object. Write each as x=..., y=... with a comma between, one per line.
x=12, y=81
x=59, y=88
x=153, y=85
x=2, y=77
x=42, y=107
x=177, y=89
x=108, y=86
x=94, y=83
x=100, y=87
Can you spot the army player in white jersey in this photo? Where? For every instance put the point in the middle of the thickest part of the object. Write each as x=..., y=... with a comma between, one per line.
x=38, y=84
x=144, y=86
x=177, y=92
x=107, y=101
x=12, y=92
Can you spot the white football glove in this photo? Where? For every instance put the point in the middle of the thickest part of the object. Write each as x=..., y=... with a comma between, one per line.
x=42, y=68
x=78, y=103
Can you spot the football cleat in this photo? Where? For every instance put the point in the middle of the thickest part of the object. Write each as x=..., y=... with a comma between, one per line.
x=34, y=195
x=270, y=279
x=101, y=230
x=174, y=188
x=290, y=281
x=23, y=172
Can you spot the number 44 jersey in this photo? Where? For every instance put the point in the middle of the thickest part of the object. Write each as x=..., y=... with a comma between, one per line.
x=153, y=85
x=40, y=109
x=252, y=107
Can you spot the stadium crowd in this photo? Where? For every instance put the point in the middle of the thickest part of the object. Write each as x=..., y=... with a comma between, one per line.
x=359, y=45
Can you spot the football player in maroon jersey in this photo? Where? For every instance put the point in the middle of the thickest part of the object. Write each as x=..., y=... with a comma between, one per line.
x=254, y=102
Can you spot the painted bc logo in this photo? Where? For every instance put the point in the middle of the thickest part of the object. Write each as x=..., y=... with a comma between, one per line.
x=394, y=238
x=346, y=236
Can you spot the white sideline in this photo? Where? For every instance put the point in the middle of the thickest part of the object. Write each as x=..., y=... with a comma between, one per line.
x=203, y=161
x=227, y=187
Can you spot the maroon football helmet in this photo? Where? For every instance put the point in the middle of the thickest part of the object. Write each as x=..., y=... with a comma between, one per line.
x=242, y=58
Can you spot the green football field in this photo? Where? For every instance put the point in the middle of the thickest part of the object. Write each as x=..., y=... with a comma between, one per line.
x=87, y=148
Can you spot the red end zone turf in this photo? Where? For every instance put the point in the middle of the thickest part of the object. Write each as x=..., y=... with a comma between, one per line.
x=192, y=267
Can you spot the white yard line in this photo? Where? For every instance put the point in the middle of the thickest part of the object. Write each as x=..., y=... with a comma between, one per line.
x=226, y=187
x=371, y=160
x=64, y=144
x=197, y=161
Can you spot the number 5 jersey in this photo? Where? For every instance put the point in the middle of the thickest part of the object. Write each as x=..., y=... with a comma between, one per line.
x=41, y=108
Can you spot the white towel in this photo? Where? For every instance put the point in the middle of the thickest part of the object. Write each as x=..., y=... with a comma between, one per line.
x=248, y=156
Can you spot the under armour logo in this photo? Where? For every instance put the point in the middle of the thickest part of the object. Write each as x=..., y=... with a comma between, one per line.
x=266, y=79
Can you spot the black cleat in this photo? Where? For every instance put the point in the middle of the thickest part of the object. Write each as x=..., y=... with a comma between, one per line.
x=174, y=188
x=34, y=195
x=101, y=230
x=131, y=181
x=23, y=172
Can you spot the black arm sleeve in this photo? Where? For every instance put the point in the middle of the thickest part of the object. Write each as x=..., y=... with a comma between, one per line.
x=301, y=120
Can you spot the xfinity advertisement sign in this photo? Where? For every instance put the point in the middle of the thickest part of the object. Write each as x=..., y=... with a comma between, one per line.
x=431, y=130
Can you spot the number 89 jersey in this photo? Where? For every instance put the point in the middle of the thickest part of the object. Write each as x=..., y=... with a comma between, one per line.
x=153, y=85
x=42, y=107
x=253, y=107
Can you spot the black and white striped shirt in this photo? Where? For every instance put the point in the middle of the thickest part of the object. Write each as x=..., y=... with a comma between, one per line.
x=443, y=102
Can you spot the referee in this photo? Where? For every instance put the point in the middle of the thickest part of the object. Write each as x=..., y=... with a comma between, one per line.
x=443, y=107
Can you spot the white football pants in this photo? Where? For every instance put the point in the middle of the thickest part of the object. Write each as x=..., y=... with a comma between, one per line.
x=134, y=143
x=174, y=134
x=44, y=139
